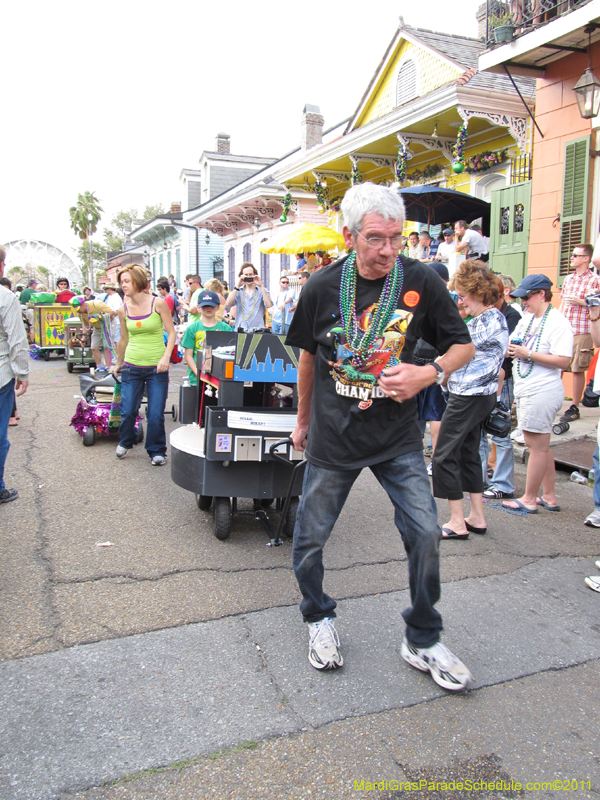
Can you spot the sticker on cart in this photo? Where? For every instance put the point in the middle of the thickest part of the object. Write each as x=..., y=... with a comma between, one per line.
x=223, y=443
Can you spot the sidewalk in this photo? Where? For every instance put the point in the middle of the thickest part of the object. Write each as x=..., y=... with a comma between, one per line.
x=93, y=713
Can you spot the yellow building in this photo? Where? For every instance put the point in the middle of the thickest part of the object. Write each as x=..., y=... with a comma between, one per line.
x=425, y=88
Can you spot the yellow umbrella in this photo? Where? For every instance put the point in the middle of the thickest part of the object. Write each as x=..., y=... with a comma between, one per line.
x=305, y=238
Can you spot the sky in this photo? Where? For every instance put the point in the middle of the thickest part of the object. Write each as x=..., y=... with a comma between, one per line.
x=116, y=97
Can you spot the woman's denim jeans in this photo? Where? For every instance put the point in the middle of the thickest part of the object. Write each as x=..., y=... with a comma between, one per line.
x=133, y=382
x=405, y=480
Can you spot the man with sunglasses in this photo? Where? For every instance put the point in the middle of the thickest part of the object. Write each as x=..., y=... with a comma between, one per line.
x=581, y=282
x=283, y=307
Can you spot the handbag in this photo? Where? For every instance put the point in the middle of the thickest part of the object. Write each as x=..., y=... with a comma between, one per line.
x=590, y=399
x=499, y=422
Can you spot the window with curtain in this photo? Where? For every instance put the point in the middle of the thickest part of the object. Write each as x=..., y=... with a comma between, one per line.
x=231, y=265
x=265, y=270
x=284, y=262
x=247, y=252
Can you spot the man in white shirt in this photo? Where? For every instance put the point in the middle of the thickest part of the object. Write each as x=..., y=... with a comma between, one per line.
x=468, y=242
x=446, y=248
x=14, y=369
x=113, y=300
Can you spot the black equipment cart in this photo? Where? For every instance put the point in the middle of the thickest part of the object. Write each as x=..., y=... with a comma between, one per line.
x=240, y=416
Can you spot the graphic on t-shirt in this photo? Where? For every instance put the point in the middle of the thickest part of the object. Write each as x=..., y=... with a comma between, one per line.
x=355, y=377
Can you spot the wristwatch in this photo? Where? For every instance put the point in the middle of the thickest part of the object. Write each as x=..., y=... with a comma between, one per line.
x=441, y=375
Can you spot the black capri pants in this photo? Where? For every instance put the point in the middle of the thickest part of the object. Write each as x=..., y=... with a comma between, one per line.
x=456, y=461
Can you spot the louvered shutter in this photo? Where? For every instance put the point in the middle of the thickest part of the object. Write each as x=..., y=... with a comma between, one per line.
x=573, y=226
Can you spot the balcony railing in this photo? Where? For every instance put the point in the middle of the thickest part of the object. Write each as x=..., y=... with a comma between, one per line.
x=524, y=15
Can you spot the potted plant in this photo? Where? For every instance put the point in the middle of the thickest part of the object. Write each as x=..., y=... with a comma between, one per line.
x=502, y=27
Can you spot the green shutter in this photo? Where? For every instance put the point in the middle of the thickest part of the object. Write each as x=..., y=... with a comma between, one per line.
x=573, y=225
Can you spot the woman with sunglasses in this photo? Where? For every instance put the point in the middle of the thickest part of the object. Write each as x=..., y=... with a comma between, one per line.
x=541, y=346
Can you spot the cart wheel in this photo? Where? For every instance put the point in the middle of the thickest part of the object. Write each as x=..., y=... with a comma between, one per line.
x=222, y=517
x=69, y=366
x=290, y=518
x=46, y=355
x=266, y=502
x=140, y=433
x=174, y=412
x=203, y=501
x=88, y=436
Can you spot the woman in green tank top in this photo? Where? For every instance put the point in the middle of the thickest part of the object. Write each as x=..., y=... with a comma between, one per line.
x=143, y=362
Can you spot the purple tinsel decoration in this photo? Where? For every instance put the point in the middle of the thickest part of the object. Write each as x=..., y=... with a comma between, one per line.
x=35, y=352
x=97, y=416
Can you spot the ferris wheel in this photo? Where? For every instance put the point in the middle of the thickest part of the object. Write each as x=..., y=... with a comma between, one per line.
x=30, y=254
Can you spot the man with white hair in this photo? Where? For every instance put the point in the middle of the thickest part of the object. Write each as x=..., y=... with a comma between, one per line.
x=357, y=323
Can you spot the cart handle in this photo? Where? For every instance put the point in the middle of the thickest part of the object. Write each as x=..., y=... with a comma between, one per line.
x=278, y=456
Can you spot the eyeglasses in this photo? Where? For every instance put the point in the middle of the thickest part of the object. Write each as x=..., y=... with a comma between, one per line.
x=529, y=295
x=377, y=242
x=579, y=255
x=283, y=282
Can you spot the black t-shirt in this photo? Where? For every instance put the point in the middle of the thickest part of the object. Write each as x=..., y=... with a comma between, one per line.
x=512, y=320
x=353, y=424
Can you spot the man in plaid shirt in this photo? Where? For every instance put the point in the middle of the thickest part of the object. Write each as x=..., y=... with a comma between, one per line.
x=576, y=287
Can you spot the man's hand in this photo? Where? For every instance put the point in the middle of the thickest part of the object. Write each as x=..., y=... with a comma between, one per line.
x=404, y=381
x=298, y=437
x=21, y=387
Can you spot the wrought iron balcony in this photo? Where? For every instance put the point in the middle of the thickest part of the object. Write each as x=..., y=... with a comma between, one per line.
x=522, y=16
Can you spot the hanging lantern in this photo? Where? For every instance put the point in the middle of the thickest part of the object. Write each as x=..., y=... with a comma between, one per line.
x=458, y=167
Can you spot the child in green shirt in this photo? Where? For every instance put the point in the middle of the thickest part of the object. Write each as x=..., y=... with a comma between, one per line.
x=195, y=334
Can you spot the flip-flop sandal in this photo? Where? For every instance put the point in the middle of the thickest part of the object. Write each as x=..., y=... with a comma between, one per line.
x=473, y=529
x=548, y=506
x=519, y=507
x=450, y=534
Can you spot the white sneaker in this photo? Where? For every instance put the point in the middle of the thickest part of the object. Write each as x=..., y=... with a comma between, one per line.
x=158, y=461
x=597, y=564
x=593, y=581
x=121, y=451
x=593, y=519
x=430, y=469
x=517, y=436
x=445, y=668
x=324, y=644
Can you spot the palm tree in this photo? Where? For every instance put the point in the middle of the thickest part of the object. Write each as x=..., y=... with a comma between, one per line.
x=85, y=217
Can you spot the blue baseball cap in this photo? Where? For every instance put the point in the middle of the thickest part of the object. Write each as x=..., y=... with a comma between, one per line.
x=532, y=283
x=208, y=298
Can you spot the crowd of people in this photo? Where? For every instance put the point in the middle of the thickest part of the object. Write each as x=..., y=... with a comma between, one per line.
x=398, y=333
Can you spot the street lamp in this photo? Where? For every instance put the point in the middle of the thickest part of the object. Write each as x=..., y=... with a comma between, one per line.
x=207, y=239
x=587, y=88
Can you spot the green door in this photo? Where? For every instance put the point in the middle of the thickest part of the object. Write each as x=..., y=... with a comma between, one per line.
x=509, y=230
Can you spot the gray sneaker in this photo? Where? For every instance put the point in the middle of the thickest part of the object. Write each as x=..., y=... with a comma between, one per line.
x=158, y=461
x=593, y=520
x=121, y=451
x=445, y=668
x=324, y=645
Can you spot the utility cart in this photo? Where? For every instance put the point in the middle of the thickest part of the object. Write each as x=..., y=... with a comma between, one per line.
x=49, y=327
x=239, y=418
x=78, y=352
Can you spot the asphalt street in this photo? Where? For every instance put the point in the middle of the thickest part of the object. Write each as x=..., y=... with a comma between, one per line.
x=143, y=658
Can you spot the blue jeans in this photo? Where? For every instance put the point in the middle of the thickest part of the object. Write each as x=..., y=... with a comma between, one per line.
x=133, y=382
x=596, y=478
x=405, y=480
x=7, y=400
x=503, y=478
